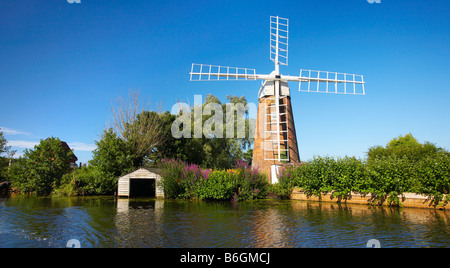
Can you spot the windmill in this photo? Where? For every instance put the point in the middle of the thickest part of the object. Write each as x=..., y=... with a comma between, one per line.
x=276, y=141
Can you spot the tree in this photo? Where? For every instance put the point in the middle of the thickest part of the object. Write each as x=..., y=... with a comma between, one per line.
x=215, y=149
x=113, y=157
x=4, y=160
x=404, y=147
x=171, y=148
x=141, y=129
x=3, y=142
x=141, y=137
x=40, y=170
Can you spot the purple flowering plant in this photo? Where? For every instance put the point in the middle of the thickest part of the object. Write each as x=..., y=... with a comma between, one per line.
x=191, y=181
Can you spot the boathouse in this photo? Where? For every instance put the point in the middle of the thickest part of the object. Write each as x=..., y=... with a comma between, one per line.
x=144, y=182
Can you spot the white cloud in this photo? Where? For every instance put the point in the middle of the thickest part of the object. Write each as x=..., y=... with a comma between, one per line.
x=79, y=146
x=18, y=155
x=76, y=146
x=23, y=144
x=9, y=131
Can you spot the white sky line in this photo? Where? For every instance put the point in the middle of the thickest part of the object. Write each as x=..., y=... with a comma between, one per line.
x=76, y=146
x=9, y=131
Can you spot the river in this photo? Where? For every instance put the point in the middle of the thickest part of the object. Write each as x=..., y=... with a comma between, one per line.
x=42, y=222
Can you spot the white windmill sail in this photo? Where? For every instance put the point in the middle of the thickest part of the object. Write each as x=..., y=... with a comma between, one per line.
x=279, y=40
x=206, y=72
x=331, y=82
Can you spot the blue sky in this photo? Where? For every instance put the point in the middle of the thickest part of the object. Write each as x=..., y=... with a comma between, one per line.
x=63, y=64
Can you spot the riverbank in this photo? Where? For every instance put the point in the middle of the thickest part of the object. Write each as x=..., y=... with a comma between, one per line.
x=409, y=200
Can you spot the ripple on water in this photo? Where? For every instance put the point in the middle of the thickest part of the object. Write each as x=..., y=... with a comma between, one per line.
x=107, y=222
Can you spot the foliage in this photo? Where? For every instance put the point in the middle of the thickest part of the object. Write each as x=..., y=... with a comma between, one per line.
x=138, y=127
x=111, y=159
x=340, y=176
x=171, y=148
x=86, y=181
x=250, y=183
x=403, y=166
x=209, y=151
x=171, y=178
x=5, y=154
x=389, y=177
x=407, y=147
x=113, y=156
x=40, y=170
x=3, y=161
x=190, y=181
x=283, y=189
x=433, y=177
x=218, y=186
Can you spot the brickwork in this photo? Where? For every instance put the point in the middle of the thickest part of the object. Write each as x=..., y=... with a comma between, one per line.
x=259, y=157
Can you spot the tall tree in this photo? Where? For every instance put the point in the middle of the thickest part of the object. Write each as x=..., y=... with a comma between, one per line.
x=5, y=155
x=113, y=156
x=139, y=127
x=404, y=147
x=216, y=148
x=40, y=170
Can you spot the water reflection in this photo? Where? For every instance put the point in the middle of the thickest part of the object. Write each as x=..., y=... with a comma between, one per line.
x=108, y=222
x=276, y=224
x=333, y=225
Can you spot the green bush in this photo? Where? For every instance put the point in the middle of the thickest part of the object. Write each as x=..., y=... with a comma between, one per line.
x=385, y=177
x=325, y=174
x=283, y=189
x=389, y=177
x=171, y=178
x=218, y=186
x=404, y=147
x=87, y=181
x=250, y=183
x=433, y=177
x=349, y=175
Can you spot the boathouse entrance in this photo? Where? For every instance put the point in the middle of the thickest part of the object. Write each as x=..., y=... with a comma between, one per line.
x=143, y=182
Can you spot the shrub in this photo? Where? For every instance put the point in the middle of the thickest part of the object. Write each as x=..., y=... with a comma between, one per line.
x=389, y=177
x=286, y=174
x=325, y=174
x=87, y=181
x=433, y=177
x=188, y=181
x=219, y=185
x=349, y=175
x=250, y=183
x=171, y=178
x=385, y=177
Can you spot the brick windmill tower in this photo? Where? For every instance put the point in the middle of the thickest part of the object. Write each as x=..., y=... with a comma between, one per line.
x=276, y=139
